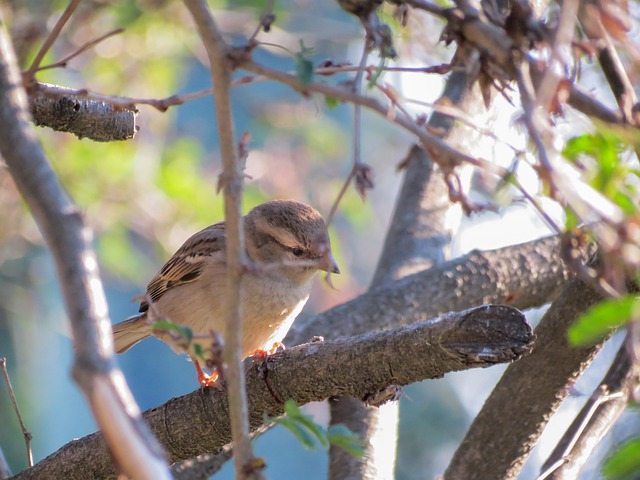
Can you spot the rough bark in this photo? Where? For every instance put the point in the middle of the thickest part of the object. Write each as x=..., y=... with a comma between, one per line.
x=515, y=414
x=524, y=276
x=69, y=238
x=63, y=110
x=359, y=367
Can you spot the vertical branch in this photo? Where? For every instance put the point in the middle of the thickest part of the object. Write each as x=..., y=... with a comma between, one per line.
x=231, y=181
x=69, y=239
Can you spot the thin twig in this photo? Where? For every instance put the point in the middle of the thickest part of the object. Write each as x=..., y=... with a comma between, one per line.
x=343, y=190
x=600, y=400
x=547, y=90
x=63, y=63
x=53, y=35
x=232, y=182
x=265, y=21
x=27, y=435
x=357, y=112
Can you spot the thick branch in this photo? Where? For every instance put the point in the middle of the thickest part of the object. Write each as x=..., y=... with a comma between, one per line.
x=359, y=367
x=69, y=239
x=63, y=110
x=534, y=388
x=525, y=276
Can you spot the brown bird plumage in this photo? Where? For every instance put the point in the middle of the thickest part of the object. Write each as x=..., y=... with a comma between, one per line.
x=289, y=239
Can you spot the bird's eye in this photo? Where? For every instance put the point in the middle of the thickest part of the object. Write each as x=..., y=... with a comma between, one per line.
x=297, y=251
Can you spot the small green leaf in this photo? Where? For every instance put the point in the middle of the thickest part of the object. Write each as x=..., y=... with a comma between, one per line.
x=624, y=463
x=597, y=322
x=301, y=433
x=198, y=351
x=331, y=102
x=340, y=436
x=307, y=431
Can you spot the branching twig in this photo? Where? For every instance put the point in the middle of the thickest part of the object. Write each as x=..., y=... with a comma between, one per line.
x=53, y=35
x=25, y=433
x=70, y=240
x=63, y=63
x=231, y=182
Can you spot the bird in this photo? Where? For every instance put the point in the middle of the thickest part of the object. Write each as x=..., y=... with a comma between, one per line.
x=286, y=241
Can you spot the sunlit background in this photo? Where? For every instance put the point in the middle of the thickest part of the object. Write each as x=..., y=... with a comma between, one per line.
x=144, y=197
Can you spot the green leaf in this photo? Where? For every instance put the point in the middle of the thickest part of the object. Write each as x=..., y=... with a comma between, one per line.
x=185, y=332
x=304, y=66
x=624, y=463
x=340, y=436
x=301, y=433
x=331, y=102
x=198, y=351
x=307, y=431
x=597, y=322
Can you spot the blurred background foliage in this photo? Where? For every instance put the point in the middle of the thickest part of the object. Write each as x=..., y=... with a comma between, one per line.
x=145, y=196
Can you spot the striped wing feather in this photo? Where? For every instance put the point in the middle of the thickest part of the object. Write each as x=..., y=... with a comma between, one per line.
x=186, y=265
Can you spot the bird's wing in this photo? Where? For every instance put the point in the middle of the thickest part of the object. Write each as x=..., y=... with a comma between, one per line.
x=187, y=264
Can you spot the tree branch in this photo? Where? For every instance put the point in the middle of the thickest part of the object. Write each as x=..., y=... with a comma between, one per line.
x=231, y=183
x=556, y=366
x=64, y=110
x=595, y=419
x=524, y=276
x=69, y=239
x=359, y=367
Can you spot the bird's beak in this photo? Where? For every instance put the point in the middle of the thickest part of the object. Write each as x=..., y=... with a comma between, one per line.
x=328, y=264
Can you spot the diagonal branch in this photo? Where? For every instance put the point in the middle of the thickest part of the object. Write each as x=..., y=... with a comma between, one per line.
x=359, y=367
x=69, y=239
x=595, y=419
x=534, y=388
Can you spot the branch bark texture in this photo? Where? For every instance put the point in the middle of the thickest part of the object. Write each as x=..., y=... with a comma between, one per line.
x=69, y=239
x=359, y=367
x=524, y=276
x=515, y=414
x=61, y=109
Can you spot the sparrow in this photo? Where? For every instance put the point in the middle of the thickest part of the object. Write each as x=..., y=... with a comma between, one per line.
x=286, y=241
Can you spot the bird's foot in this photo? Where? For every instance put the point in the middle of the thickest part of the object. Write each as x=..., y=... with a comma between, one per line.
x=205, y=380
x=260, y=354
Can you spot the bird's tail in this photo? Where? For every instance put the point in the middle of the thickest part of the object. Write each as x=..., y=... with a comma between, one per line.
x=126, y=334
